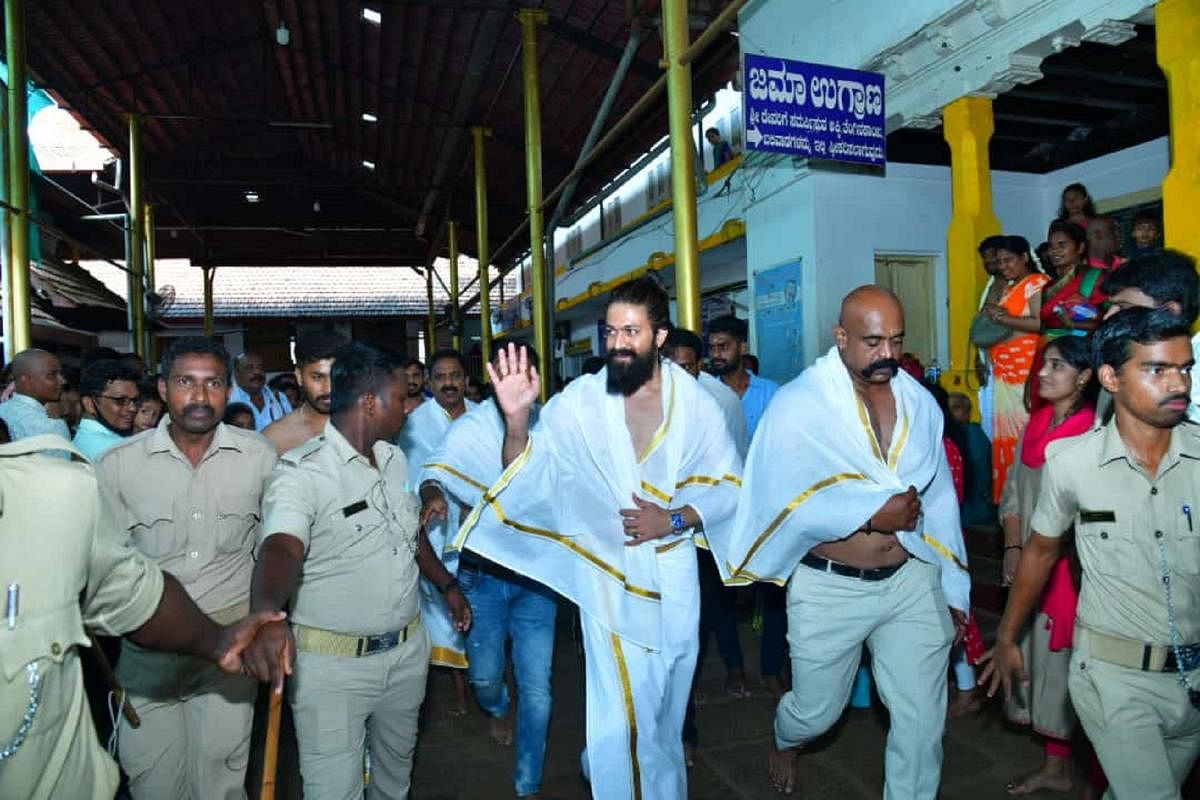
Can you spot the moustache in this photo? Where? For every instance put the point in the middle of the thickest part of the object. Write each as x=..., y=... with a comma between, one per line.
x=889, y=364
x=198, y=409
x=1176, y=398
x=625, y=353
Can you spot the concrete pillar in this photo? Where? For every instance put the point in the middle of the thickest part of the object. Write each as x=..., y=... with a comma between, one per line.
x=1177, y=29
x=967, y=124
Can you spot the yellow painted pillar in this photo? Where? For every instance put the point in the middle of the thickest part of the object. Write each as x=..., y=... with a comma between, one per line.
x=1177, y=30
x=968, y=125
x=683, y=158
x=530, y=19
x=210, y=274
x=483, y=247
x=137, y=207
x=455, y=315
x=18, y=181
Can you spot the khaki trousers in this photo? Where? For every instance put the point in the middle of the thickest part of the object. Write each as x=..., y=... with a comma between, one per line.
x=337, y=701
x=1146, y=733
x=906, y=624
x=194, y=740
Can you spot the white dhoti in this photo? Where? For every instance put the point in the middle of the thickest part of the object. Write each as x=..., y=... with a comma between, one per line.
x=635, y=744
x=554, y=516
x=420, y=437
x=815, y=474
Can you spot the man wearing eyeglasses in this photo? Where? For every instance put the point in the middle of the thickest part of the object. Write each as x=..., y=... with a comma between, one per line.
x=108, y=391
x=188, y=493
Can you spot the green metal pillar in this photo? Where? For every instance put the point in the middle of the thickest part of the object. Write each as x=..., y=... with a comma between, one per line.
x=17, y=302
x=483, y=247
x=137, y=256
x=530, y=19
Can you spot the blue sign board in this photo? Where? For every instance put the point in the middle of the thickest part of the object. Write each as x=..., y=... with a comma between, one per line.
x=814, y=110
x=778, y=322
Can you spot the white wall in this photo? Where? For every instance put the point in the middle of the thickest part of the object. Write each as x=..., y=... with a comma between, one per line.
x=860, y=215
x=845, y=32
x=1124, y=172
x=836, y=221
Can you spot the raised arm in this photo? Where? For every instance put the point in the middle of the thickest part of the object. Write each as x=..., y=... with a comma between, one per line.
x=517, y=386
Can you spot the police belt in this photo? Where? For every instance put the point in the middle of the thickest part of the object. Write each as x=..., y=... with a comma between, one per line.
x=1137, y=655
x=329, y=643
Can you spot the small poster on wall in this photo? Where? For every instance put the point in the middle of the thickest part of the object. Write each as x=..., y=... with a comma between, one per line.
x=778, y=322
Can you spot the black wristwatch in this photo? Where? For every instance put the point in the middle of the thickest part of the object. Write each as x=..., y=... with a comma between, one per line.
x=450, y=586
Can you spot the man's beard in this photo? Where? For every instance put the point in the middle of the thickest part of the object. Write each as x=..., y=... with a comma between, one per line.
x=321, y=403
x=722, y=367
x=415, y=390
x=127, y=432
x=627, y=378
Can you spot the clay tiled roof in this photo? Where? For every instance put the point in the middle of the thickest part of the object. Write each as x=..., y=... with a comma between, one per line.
x=311, y=292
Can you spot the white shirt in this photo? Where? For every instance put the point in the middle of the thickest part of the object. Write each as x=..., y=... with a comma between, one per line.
x=275, y=407
x=731, y=408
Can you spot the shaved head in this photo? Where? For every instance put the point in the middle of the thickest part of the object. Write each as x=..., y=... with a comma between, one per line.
x=869, y=299
x=38, y=374
x=29, y=361
x=870, y=334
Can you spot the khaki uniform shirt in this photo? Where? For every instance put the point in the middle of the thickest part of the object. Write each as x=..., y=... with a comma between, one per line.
x=200, y=524
x=358, y=524
x=1121, y=516
x=59, y=542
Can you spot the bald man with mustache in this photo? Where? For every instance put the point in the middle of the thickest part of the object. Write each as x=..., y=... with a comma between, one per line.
x=847, y=499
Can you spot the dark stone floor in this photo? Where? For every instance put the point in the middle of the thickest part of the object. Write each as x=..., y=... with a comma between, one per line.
x=457, y=761
x=455, y=758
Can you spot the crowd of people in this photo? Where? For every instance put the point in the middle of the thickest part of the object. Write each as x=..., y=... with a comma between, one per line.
x=336, y=531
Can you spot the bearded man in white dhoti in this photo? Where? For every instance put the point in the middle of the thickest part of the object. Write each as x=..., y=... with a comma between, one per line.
x=421, y=435
x=847, y=497
x=600, y=502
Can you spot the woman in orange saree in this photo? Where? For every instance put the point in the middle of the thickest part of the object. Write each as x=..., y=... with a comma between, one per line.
x=1019, y=309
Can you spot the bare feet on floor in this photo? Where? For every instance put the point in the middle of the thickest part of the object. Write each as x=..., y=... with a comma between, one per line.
x=774, y=685
x=964, y=703
x=735, y=684
x=501, y=731
x=458, y=678
x=781, y=766
x=1055, y=774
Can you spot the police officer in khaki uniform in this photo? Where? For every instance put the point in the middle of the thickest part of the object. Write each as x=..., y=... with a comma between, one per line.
x=59, y=544
x=189, y=492
x=342, y=540
x=1130, y=488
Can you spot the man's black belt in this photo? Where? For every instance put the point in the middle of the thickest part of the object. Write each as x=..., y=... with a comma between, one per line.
x=846, y=571
x=474, y=563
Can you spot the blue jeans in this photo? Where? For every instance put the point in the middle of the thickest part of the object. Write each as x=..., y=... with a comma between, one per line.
x=523, y=610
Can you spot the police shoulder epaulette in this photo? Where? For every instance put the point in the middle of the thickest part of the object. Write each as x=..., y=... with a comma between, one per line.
x=310, y=448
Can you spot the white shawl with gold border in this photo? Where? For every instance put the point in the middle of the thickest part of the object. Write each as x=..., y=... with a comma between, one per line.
x=815, y=473
x=553, y=515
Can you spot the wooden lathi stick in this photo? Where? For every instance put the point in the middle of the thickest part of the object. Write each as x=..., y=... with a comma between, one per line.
x=271, y=751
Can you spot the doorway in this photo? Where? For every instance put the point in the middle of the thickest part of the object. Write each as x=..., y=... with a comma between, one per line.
x=913, y=280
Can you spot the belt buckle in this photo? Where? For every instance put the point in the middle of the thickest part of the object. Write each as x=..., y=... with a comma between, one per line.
x=378, y=643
